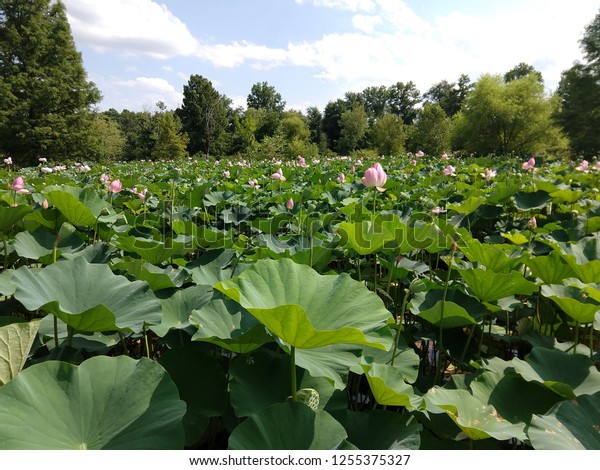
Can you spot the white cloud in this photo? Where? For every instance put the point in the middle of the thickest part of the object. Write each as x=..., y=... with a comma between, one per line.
x=352, y=5
x=366, y=23
x=130, y=26
x=138, y=93
x=237, y=53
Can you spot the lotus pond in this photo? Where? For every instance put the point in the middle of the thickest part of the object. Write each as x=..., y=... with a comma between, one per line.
x=443, y=304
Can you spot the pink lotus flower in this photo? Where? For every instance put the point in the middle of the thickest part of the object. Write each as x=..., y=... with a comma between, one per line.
x=42, y=160
x=341, y=178
x=529, y=164
x=115, y=186
x=413, y=162
x=583, y=166
x=488, y=174
x=301, y=161
x=104, y=179
x=450, y=171
x=438, y=210
x=45, y=204
x=254, y=184
x=46, y=170
x=278, y=175
x=532, y=223
x=226, y=174
x=352, y=170
x=141, y=194
x=419, y=154
x=289, y=204
x=84, y=168
x=18, y=185
x=8, y=161
x=444, y=156
x=375, y=177
x=596, y=166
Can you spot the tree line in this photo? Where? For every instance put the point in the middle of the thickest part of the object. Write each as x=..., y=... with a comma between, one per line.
x=47, y=109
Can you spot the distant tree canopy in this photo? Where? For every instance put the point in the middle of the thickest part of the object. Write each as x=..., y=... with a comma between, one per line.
x=46, y=98
x=513, y=117
x=203, y=114
x=579, y=92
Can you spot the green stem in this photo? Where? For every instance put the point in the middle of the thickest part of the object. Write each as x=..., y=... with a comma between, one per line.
x=5, y=250
x=358, y=273
x=576, y=337
x=146, y=341
x=441, y=329
x=293, y=371
x=55, y=331
x=400, y=324
x=464, y=351
x=592, y=342
x=124, y=344
x=70, y=332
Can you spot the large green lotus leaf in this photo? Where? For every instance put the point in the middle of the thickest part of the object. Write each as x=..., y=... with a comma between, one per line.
x=15, y=342
x=215, y=266
x=583, y=257
x=177, y=309
x=288, y=426
x=365, y=237
x=533, y=200
x=574, y=301
x=333, y=362
x=568, y=196
x=501, y=193
x=80, y=206
x=459, y=309
x=570, y=425
x=468, y=206
x=262, y=378
x=389, y=386
x=229, y=325
x=514, y=398
x=202, y=385
x=382, y=430
x=477, y=419
x=516, y=237
x=11, y=215
x=551, y=269
x=39, y=244
x=568, y=375
x=105, y=403
x=95, y=342
x=88, y=297
x=489, y=286
x=157, y=278
x=300, y=249
x=152, y=251
x=98, y=253
x=406, y=360
x=497, y=258
x=7, y=286
x=308, y=310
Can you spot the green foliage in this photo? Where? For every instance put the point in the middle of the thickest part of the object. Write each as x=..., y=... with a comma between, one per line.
x=45, y=94
x=171, y=142
x=203, y=114
x=514, y=117
x=264, y=96
x=522, y=70
x=432, y=131
x=107, y=141
x=450, y=96
x=353, y=127
x=388, y=135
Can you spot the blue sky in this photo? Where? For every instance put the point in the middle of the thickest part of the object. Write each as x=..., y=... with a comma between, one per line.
x=312, y=51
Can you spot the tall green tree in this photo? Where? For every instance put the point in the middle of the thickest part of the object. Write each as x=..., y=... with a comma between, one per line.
x=450, y=95
x=353, y=125
x=403, y=99
x=203, y=114
x=388, y=135
x=171, y=141
x=432, y=131
x=331, y=122
x=579, y=92
x=522, y=70
x=264, y=96
x=46, y=97
x=501, y=118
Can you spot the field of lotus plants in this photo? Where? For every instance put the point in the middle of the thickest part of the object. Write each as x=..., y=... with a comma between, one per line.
x=414, y=302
